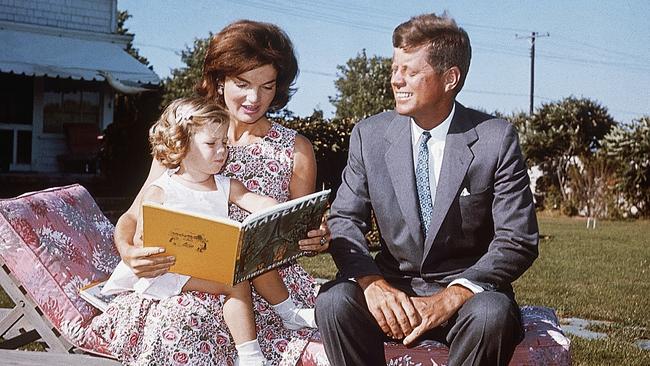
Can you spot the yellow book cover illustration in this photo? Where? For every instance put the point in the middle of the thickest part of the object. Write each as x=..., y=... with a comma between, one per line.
x=226, y=251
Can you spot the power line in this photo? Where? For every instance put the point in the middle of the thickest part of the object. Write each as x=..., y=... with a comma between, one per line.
x=606, y=50
x=475, y=91
x=164, y=48
x=310, y=14
x=342, y=14
x=399, y=17
x=336, y=18
x=500, y=51
x=321, y=73
x=306, y=9
x=346, y=9
x=595, y=62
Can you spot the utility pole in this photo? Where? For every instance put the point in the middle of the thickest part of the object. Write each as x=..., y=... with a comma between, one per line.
x=533, y=36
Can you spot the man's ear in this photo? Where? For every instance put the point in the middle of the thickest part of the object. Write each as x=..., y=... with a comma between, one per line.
x=451, y=78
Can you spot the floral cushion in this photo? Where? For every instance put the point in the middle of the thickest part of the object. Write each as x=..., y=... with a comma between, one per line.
x=54, y=242
x=544, y=344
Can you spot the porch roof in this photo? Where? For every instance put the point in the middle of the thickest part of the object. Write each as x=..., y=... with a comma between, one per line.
x=39, y=54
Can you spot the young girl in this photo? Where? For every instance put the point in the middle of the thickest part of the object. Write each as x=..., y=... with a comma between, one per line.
x=190, y=139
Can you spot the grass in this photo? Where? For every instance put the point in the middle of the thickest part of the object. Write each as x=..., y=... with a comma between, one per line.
x=600, y=274
x=597, y=274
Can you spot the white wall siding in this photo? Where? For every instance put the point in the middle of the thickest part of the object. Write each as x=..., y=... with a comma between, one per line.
x=45, y=147
x=50, y=148
x=85, y=15
x=106, y=117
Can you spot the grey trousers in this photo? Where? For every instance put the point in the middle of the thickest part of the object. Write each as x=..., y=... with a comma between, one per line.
x=485, y=331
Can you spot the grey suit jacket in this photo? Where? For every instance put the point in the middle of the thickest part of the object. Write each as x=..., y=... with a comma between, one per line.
x=489, y=237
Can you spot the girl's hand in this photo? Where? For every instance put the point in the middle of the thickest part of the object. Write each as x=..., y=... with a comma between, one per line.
x=145, y=263
x=317, y=240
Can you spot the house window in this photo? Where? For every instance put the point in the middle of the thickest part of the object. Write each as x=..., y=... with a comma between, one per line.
x=16, y=106
x=16, y=99
x=69, y=101
x=15, y=149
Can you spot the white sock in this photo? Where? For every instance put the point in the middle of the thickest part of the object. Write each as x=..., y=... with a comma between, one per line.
x=250, y=353
x=294, y=317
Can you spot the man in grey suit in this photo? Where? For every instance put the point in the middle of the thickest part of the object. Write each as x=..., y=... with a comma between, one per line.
x=450, y=192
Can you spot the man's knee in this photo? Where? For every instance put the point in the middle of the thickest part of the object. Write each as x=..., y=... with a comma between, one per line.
x=495, y=312
x=339, y=300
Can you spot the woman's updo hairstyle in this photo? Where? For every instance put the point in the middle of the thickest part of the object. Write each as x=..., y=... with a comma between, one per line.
x=246, y=45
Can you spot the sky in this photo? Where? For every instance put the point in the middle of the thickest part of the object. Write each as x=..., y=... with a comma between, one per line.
x=594, y=49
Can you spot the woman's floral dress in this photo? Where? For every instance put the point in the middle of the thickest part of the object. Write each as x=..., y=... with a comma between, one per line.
x=189, y=329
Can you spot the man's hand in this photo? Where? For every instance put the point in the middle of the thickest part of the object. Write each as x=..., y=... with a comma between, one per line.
x=143, y=264
x=437, y=309
x=392, y=308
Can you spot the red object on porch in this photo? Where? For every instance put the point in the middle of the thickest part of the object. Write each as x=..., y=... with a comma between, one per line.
x=83, y=142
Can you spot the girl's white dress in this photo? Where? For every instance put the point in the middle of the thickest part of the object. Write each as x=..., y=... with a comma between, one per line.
x=176, y=195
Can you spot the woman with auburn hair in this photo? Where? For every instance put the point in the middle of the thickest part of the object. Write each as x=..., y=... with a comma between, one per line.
x=249, y=69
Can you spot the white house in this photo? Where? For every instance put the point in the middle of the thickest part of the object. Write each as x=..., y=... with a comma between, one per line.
x=55, y=57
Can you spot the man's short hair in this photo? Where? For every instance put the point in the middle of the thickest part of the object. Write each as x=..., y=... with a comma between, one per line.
x=448, y=43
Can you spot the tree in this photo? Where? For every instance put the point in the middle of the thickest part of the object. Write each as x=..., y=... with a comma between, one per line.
x=561, y=133
x=122, y=17
x=629, y=146
x=184, y=79
x=363, y=87
x=330, y=139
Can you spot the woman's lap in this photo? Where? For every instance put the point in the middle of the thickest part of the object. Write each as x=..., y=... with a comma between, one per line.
x=189, y=329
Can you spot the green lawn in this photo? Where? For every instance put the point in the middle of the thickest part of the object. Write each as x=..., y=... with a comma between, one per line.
x=601, y=274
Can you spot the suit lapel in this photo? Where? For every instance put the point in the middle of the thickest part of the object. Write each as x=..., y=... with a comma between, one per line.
x=399, y=161
x=456, y=160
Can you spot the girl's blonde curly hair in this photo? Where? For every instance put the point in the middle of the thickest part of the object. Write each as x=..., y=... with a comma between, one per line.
x=170, y=135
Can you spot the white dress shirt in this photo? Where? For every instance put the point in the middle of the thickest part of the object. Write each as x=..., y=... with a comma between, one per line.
x=436, y=146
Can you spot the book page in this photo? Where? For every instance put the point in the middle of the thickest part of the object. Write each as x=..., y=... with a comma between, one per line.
x=271, y=239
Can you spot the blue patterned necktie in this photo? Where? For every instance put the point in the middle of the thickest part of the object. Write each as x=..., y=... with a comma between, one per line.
x=422, y=182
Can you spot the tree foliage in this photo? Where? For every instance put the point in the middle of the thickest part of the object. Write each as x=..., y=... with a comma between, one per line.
x=122, y=17
x=182, y=81
x=561, y=133
x=330, y=139
x=629, y=146
x=363, y=87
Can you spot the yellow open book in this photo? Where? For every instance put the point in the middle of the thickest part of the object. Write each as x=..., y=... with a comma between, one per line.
x=226, y=251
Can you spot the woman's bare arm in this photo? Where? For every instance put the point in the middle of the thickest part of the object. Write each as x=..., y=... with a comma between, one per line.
x=303, y=182
x=129, y=247
x=303, y=176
